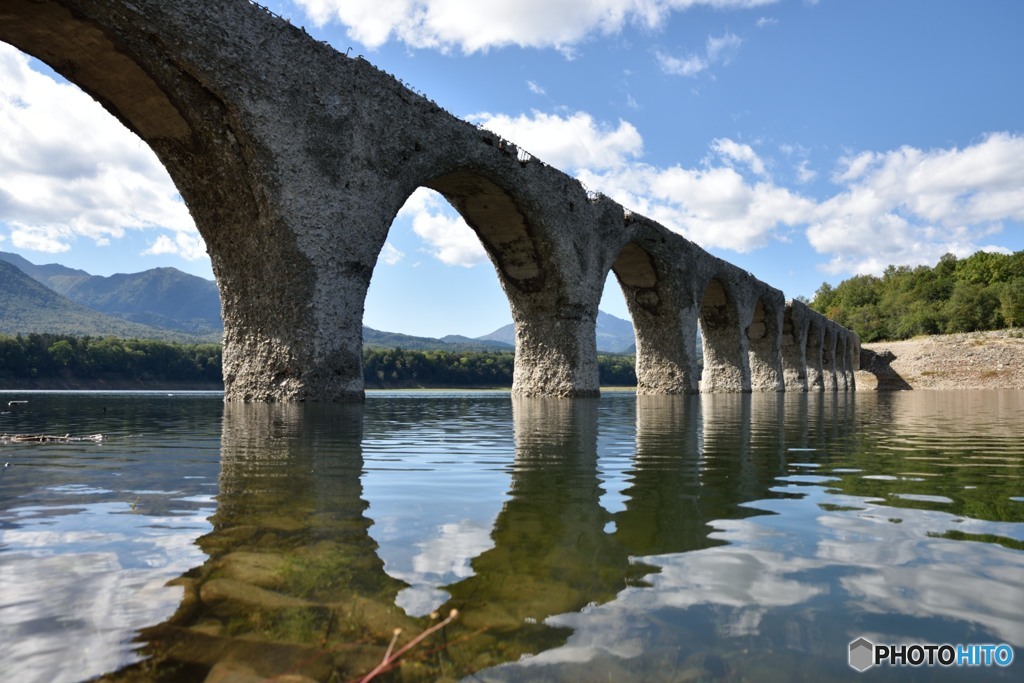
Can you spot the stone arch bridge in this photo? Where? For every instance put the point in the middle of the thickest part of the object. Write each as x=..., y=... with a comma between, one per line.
x=294, y=159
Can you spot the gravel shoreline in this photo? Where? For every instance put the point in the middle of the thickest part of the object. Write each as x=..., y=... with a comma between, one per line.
x=972, y=360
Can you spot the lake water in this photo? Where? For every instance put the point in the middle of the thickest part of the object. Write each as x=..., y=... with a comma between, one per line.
x=719, y=538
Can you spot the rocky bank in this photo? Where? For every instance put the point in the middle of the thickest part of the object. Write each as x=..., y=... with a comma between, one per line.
x=973, y=360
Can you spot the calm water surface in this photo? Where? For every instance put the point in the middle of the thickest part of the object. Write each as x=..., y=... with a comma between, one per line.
x=723, y=538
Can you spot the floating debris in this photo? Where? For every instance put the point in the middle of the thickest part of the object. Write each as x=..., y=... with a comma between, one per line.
x=48, y=438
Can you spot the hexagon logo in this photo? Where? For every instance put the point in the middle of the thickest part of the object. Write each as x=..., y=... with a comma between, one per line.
x=862, y=654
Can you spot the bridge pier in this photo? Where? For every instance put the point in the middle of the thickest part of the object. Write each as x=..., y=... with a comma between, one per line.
x=765, y=338
x=828, y=358
x=666, y=352
x=723, y=325
x=795, y=362
x=815, y=347
x=556, y=355
x=854, y=359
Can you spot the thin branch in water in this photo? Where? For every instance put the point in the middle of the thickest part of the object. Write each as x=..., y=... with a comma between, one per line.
x=389, y=658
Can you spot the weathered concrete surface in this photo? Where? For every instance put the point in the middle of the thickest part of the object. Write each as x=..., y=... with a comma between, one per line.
x=294, y=160
x=796, y=328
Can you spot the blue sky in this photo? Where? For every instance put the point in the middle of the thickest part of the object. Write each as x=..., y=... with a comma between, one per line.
x=806, y=141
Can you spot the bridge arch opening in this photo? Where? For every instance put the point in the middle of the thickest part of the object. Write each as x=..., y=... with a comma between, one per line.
x=434, y=278
x=493, y=214
x=473, y=212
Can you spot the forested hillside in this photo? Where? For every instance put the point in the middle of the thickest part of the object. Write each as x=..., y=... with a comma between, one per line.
x=29, y=306
x=163, y=298
x=982, y=292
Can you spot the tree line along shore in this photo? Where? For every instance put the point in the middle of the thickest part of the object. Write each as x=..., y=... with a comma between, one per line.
x=982, y=292
x=44, y=361
x=53, y=361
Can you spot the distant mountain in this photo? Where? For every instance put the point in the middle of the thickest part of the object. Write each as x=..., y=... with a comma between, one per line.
x=388, y=340
x=160, y=297
x=27, y=305
x=46, y=273
x=503, y=335
x=165, y=303
x=614, y=335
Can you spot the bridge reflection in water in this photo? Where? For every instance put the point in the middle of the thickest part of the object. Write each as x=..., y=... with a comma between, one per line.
x=296, y=583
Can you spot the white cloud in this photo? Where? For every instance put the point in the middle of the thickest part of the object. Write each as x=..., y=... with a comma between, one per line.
x=476, y=26
x=58, y=185
x=569, y=143
x=910, y=206
x=48, y=239
x=724, y=48
x=681, y=66
x=450, y=240
x=715, y=207
x=734, y=151
x=188, y=246
x=391, y=255
x=535, y=88
x=804, y=172
x=719, y=50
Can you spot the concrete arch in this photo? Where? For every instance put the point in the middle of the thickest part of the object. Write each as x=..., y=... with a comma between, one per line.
x=293, y=173
x=538, y=228
x=655, y=271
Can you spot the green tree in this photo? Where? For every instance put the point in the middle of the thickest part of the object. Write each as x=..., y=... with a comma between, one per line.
x=1011, y=302
x=972, y=307
x=63, y=353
